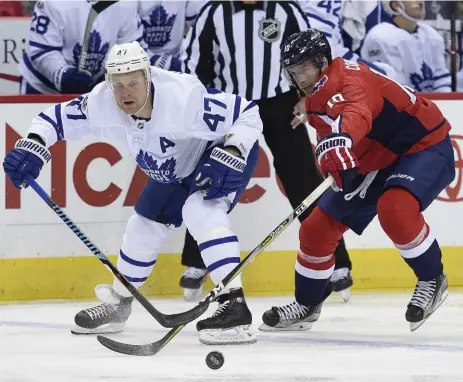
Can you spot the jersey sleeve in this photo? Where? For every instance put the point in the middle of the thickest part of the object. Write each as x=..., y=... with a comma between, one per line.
x=197, y=57
x=442, y=77
x=222, y=117
x=301, y=22
x=351, y=110
x=192, y=9
x=323, y=15
x=45, y=44
x=64, y=121
x=376, y=47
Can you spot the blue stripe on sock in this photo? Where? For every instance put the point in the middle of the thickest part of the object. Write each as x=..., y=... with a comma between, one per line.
x=222, y=240
x=217, y=264
x=136, y=262
x=136, y=279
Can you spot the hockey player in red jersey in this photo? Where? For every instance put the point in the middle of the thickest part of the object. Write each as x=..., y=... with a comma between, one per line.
x=390, y=154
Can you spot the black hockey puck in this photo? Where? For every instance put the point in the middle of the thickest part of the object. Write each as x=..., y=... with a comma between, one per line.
x=215, y=360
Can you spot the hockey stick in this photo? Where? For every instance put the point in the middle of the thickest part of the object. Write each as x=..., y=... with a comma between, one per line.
x=95, y=10
x=166, y=320
x=154, y=347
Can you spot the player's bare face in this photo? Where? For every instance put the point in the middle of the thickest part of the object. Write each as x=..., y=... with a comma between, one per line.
x=306, y=76
x=415, y=9
x=130, y=90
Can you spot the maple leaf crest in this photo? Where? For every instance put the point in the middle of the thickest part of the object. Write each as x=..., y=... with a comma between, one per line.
x=96, y=53
x=424, y=81
x=159, y=17
x=157, y=30
x=164, y=173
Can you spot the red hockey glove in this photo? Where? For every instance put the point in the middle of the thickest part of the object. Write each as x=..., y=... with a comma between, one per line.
x=335, y=157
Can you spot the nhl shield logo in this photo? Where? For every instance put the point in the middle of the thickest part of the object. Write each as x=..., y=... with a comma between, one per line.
x=269, y=30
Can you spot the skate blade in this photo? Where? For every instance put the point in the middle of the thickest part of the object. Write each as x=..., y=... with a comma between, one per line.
x=300, y=327
x=345, y=295
x=239, y=335
x=193, y=295
x=416, y=325
x=104, y=329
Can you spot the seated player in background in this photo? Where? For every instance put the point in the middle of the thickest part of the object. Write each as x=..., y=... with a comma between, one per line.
x=415, y=49
x=199, y=148
x=51, y=59
x=390, y=155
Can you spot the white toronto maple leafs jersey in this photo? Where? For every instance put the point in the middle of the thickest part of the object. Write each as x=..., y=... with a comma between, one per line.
x=56, y=36
x=418, y=57
x=325, y=16
x=186, y=120
x=164, y=23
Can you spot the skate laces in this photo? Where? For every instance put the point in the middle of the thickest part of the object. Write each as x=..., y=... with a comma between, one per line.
x=221, y=308
x=424, y=292
x=101, y=310
x=291, y=311
x=339, y=274
x=194, y=273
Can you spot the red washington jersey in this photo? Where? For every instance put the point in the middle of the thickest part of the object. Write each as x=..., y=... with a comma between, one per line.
x=385, y=119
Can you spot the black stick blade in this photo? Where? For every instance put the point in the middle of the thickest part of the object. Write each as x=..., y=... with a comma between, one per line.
x=139, y=350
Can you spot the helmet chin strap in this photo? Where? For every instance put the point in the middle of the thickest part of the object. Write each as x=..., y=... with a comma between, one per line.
x=148, y=89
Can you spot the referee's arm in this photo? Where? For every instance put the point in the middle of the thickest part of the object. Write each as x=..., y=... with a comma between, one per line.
x=198, y=57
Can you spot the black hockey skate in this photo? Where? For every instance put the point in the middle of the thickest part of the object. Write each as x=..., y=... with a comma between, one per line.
x=341, y=281
x=230, y=324
x=109, y=317
x=192, y=282
x=428, y=296
x=290, y=317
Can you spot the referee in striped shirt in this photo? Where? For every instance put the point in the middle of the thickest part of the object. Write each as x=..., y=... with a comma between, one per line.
x=235, y=46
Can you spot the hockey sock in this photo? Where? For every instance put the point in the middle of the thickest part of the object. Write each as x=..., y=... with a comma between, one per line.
x=401, y=219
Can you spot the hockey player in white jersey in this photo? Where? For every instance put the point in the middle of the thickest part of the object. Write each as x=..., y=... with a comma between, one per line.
x=50, y=61
x=198, y=146
x=413, y=48
x=164, y=23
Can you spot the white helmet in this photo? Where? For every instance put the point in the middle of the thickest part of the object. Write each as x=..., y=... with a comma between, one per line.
x=128, y=57
x=400, y=11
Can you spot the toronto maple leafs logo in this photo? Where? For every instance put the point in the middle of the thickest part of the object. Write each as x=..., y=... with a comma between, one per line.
x=96, y=53
x=165, y=173
x=423, y=82
x=157, y=29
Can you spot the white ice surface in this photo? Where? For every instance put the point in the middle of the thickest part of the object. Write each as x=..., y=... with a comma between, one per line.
x=365, y=340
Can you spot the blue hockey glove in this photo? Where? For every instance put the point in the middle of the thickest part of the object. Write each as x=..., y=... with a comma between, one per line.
x=70, y=81
x=26, y=159
x=221, y=174
x=167, y=61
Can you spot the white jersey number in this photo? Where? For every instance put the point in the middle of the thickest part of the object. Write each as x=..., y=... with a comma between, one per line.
x=409, y=91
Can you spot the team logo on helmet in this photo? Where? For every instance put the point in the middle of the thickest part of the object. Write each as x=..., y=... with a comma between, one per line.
x=269, y=30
